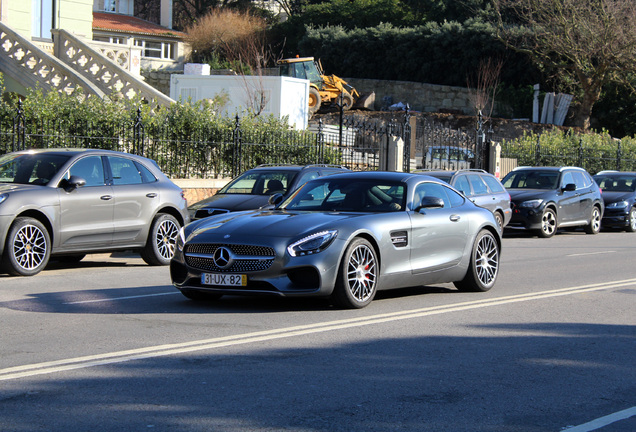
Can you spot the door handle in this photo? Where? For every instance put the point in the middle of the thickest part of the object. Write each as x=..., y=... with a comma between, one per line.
x=454, y=218
x=106, y=197
x=151, y=195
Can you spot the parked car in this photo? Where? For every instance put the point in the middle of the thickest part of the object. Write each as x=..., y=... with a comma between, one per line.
x=344, y=236
x=447, y=158
x=65, y=203
x=547, y=198
x=482, y=188
x=619, y=195
x=253, y=189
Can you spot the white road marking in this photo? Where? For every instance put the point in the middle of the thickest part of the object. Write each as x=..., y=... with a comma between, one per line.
x=603, y=421
x=268, y=335
x=591, y=253
x=120, y=298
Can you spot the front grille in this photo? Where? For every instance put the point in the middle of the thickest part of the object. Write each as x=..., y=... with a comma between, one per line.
x=203, y=213
x=247, y=258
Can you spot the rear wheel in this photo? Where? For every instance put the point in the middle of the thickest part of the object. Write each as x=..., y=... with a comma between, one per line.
x=314, y=100
x=27, y=249
x=499, y=219
x=548, y=223
x=162, y=240
x=358, y=276
x=595, y=222
x=631, y=227
x=347, y=101
x=484, y=264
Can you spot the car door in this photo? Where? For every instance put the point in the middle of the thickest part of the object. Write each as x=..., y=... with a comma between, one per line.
x=438, y=234
x=481, y=195
x=135, y=202
x=86, y=213
x=585, y=195
x=569, y=207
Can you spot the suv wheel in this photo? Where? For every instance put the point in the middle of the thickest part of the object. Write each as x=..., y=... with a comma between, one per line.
x=595, y=222
x=631, y=220
x=548, y=223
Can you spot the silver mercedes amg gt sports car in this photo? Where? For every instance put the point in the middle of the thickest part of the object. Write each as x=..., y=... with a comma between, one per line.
x=344, y=236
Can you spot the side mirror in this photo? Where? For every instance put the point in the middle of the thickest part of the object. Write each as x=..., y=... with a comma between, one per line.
x=570, y=187
x=275, y=199
x=430, y=202
x=73, y=183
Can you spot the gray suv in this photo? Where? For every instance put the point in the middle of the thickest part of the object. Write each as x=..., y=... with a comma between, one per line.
x=66, y=203
x=482, y=188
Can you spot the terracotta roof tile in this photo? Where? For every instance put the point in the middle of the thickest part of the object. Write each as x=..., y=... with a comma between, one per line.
x=130, y=24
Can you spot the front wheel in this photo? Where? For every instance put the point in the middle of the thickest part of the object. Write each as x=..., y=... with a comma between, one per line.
x=631, y=227
x=356, y=284
x=548, y=223
x=595, y=222
x=484, y=264
x=162, y=240
x=27, y=249
x=314, y=100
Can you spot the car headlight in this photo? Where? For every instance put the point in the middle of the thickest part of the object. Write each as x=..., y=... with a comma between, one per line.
x=312, y=244
x=531, y=204
x=614, y=205
x=3, y=197
x=181, y=239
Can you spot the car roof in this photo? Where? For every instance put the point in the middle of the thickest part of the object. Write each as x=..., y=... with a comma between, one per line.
x=548, y=168
x=616, y=173
x=292, y=167
x=451, y=172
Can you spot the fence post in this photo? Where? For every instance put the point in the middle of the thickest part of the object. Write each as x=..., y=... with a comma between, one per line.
x=236, y=150
x=619, y=154
x=320, y=142
x=581, y=152
x=138, y=134
x=18, y=140
x=537, y=152
x=406, y=137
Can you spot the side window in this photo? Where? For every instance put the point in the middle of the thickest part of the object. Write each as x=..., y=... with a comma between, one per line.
x=124, y=171
x=567, y=179
x=146, y=175
x=429, y=189
x=455, y=199
x=494, y=184
x=479, y=187
x=579, y=180
x=90, y=169
x=310, y=175
x=463, y=186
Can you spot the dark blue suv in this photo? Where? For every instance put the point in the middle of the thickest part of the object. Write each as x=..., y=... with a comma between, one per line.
x=547, y=198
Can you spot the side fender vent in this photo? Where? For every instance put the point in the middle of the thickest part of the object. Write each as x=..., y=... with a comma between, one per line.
x=399, y=238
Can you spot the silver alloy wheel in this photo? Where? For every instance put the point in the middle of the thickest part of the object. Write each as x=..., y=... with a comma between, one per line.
x=632, y=219
x=29, y=247
x=548, y=222
x=361, y=273
x=166, y=238
x=596, y=220
x=487, y=260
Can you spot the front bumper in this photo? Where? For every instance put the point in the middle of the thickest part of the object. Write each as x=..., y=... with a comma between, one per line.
x=615, y=218
x=528, y=218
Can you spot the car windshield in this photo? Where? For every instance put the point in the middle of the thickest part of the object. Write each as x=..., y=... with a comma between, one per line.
x=261, y=182
x=348, y=195
x=30, y=168
x=616, y=182
x=527, y=179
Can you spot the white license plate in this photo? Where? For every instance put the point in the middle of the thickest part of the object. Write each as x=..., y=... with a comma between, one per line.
x=221, y=279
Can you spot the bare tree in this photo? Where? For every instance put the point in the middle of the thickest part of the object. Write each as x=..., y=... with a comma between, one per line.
x=583, y=44
x=482, y=91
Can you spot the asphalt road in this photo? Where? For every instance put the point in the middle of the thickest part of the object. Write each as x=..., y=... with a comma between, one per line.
x=109, y=345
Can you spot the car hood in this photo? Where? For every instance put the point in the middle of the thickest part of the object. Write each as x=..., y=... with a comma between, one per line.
x=612, y=197
x=232, y=202
x=521, y=195
x=15, y=187
x=264, y=223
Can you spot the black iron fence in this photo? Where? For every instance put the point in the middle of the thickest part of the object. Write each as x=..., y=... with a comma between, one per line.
x=357, y=143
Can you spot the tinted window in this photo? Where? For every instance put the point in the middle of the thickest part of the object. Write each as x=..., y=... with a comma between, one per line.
x=527, y=179
x=462, y=185
x=90, y=169
x=146, y=175
x=124, y=171
x=494, y=184
x=568, y=178
x=455, y=199
x=479, y=187
x=431, y=190
x=616, y=182
x=258, y=182
x=579, y=180
x=36, y=168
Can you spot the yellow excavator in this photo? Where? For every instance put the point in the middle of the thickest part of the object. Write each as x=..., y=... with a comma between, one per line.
x=323, y=89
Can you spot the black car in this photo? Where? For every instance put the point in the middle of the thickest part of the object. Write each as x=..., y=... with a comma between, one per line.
x=619, y=195
x=253, y=189
x=547, y=198
x=482, y=188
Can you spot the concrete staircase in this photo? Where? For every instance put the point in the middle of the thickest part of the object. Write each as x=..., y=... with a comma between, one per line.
x=75, y=65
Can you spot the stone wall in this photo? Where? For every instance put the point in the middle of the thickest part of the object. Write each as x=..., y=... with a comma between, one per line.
x=419, y=96
x=196, y=190
x=158, y=79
